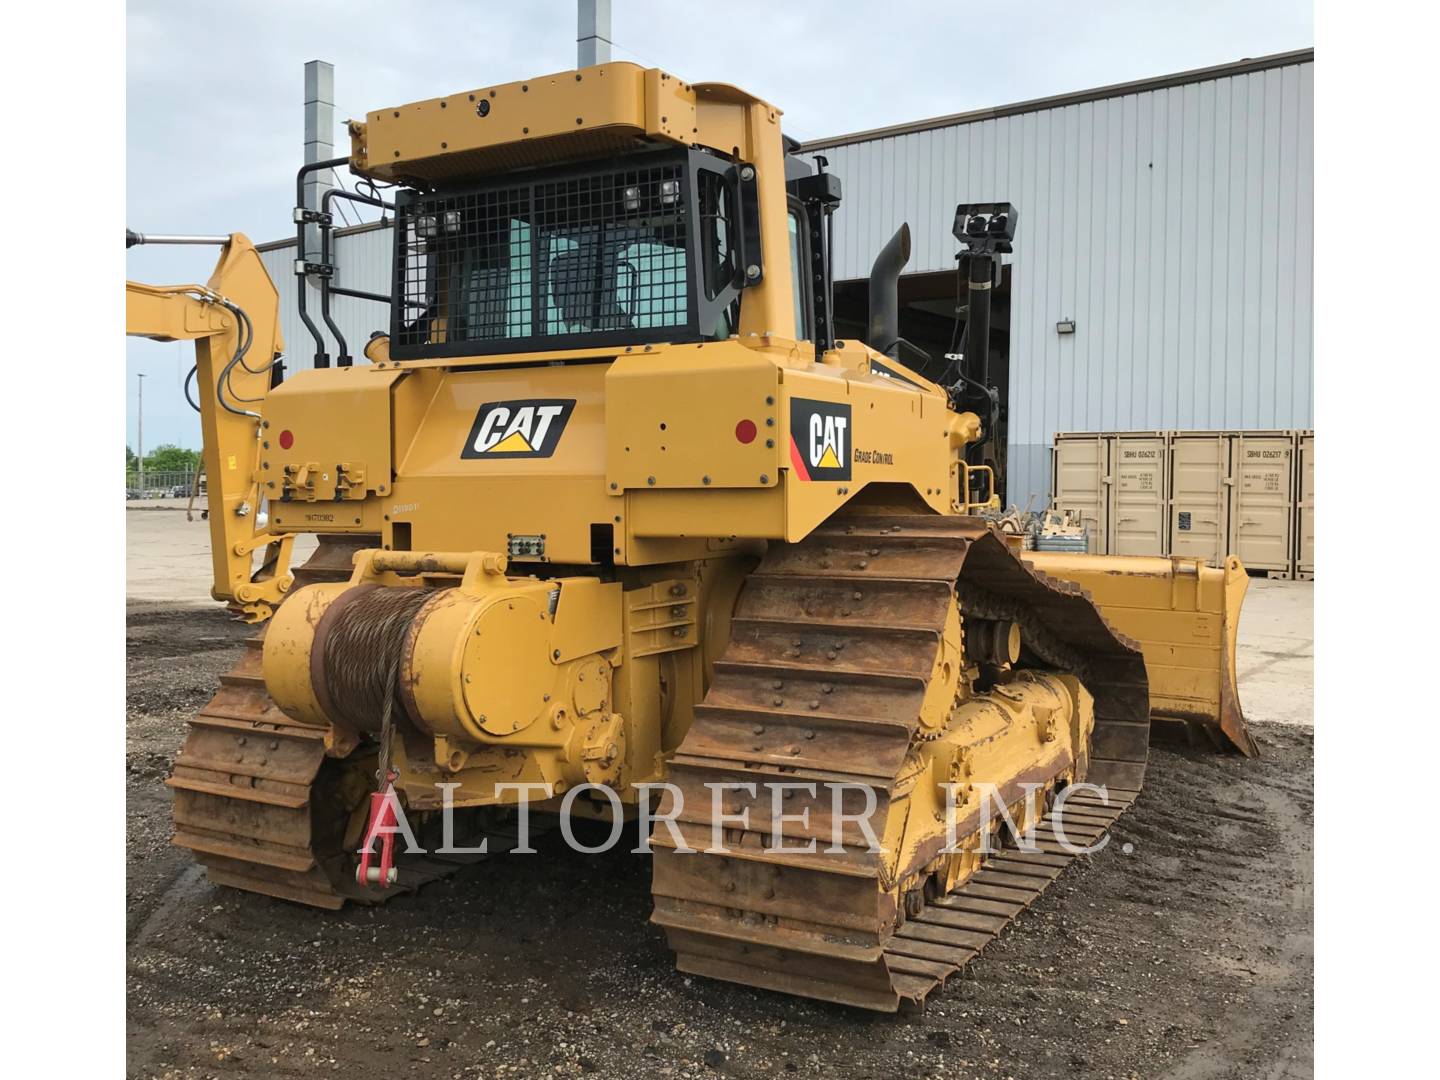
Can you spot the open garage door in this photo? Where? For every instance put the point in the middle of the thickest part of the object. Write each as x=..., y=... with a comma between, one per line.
x=928, y=304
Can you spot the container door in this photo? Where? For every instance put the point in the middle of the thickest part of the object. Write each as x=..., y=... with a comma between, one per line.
x=1264, y=506
x=1082, y=478
x=1137, y=516
x=1200, y=496
x=1305, y=563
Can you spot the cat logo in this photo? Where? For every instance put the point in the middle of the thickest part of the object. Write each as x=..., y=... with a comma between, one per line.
x=518, y=429
x=819, y=439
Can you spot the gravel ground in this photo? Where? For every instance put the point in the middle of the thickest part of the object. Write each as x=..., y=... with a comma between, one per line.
x=1191, y=957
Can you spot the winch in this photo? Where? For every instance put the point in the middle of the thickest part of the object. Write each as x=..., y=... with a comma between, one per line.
x=510, y=678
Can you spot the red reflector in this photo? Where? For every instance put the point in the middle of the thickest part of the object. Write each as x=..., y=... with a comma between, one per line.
x=745, y=431
x=287, y=440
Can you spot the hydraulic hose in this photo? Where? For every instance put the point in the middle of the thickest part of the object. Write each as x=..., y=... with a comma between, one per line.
x=246, y=333
x=194, y=368
x=322, y=358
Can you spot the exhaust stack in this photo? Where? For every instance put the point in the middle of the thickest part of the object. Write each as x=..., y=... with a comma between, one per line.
x=883, y=334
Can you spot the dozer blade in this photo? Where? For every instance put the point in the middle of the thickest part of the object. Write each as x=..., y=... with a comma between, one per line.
x=1185, y=615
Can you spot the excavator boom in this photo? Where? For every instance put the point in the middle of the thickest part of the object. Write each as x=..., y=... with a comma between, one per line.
x=233, y=320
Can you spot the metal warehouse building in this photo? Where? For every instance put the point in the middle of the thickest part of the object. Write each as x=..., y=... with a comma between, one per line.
x=1162, y=274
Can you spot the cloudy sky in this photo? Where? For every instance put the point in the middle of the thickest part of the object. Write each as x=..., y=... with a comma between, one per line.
x=214, y=91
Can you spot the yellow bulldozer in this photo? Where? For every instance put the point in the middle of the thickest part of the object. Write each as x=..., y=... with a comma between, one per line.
x=611, y=524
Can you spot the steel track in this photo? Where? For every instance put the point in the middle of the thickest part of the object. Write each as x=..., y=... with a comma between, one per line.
x=834, y=642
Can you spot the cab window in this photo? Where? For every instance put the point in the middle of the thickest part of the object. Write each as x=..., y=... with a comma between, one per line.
x=799, y=274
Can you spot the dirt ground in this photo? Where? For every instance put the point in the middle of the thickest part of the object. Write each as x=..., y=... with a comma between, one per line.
x=1190, y=957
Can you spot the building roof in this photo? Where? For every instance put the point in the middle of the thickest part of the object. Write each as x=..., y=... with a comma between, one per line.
x=1182, y=78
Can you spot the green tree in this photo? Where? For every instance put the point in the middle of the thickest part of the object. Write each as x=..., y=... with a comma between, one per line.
x=131, y=461
x=171, y=458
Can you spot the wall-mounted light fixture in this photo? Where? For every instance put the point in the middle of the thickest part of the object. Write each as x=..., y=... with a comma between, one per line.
x=1065, y=326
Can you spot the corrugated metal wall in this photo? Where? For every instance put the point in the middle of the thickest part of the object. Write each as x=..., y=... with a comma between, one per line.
x=364, y=260
x=1174, y=225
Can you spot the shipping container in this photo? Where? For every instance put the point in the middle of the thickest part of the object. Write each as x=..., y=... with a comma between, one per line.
x=1199, y=519
x=1082, y=482
x=1199, y=494
x=1305, y=516
x=1262, y=514
x=1139, y=494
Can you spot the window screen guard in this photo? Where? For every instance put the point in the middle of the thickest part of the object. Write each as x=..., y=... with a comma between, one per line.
x=629, y=250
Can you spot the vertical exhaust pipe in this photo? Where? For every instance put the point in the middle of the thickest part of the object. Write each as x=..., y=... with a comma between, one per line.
x=884, y=328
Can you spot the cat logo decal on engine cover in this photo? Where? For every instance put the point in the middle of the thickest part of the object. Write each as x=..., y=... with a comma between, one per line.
x=819, y=439
x=518, y=429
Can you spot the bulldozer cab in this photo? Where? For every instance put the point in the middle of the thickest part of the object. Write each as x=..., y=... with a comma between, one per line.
x=625, y=251
x=614, y=206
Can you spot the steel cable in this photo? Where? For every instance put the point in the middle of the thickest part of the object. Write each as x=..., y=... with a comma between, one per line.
x=361, y=656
